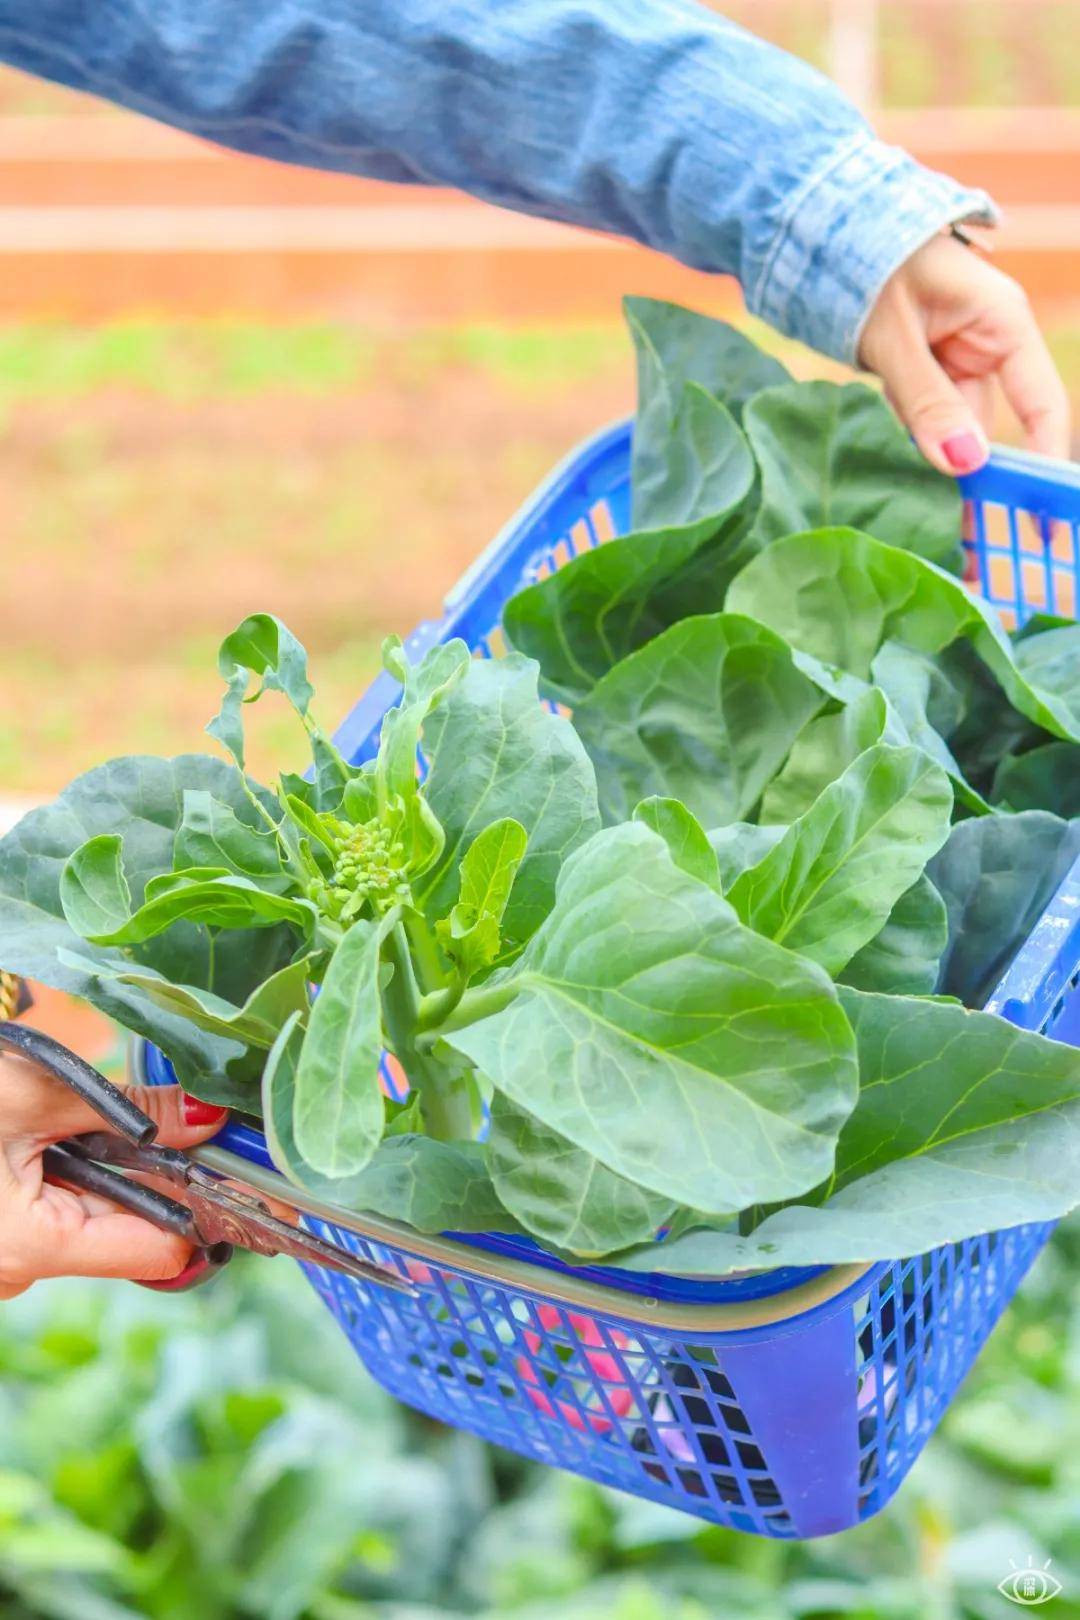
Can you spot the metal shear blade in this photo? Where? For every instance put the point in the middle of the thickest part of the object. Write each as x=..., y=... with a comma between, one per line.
x=244, y=1220
x=221, y=1213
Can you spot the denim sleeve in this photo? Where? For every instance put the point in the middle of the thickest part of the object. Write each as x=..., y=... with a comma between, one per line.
x=653, y=119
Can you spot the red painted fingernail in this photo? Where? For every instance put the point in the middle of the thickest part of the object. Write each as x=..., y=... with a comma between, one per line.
x=964, y=452
x=201, y=1113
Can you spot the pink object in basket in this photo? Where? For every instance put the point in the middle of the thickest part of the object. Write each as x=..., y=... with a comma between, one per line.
x=617, y=1396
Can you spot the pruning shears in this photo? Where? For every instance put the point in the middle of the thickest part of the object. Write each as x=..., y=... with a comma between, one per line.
x=216, y=1215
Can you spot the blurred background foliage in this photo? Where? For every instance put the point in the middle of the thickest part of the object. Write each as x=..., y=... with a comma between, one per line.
x=222, y=1456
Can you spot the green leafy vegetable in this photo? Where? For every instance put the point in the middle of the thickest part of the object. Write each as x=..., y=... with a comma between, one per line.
x=138, y=800
x=337, y=1106
x=840, y=595
x=640, y=1002
x=614, y=598
x=278, y=1107
x=1047, y=778
x=561, y=1193
x=94, y=894
x=260, y=646
x=493, y=752
x=706, y=713
x=93, y=889
x=257, y=1023
x=210, y=834
x=432, y=1186
x=425, y=687
x=824, y=749
x=829, y=885
x=429, y=1185
x=911, y=1103
x=700, y=464
x=471, y=933
x=836, y=457
x=997, y=876
x=929, y=707
x=741, y=846
x=1051, y=662
x=956, y=1113
x=610, y=601
x=904, y=959
x=694, y=501
x=738, y=1013
x=991, y=729
x=675, y=346
x=686, y=839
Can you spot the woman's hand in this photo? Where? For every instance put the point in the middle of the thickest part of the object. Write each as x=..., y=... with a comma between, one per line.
x=946, y=330
x=48, y=1231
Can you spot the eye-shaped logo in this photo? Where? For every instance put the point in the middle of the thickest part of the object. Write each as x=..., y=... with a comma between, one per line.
x=1029, y=1586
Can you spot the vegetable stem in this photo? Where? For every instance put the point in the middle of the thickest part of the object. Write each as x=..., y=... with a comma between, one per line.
x=401, y=997
x=256, y=803
x=476, y=1004
x=445, y=1101
x=425, y=952
x=331, y=931
x=437, y=1007
x=444, y=1091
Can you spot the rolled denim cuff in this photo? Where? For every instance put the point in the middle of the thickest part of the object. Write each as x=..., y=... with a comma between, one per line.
x=847, y=228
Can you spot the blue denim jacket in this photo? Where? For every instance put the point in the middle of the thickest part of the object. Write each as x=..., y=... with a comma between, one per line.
x=654, y=119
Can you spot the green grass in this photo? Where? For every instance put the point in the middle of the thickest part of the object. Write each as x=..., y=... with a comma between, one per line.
x=181, y=361
x=229, y=358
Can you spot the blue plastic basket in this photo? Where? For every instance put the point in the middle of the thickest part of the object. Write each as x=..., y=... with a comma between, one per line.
x=791, y=1403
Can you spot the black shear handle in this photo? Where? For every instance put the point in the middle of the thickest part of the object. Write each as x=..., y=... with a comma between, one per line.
x=108, y=1101
x=65, y=1163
